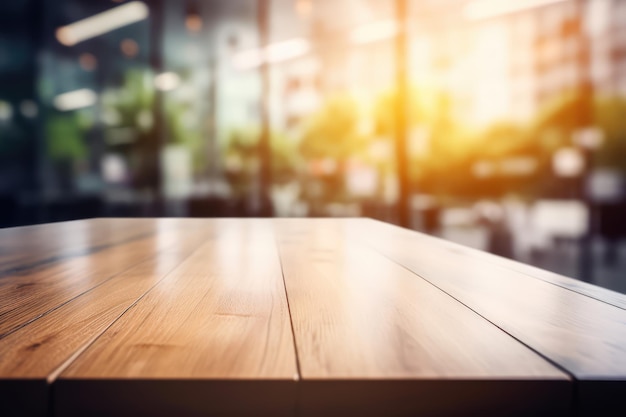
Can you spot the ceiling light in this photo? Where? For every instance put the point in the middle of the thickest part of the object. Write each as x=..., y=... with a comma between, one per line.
x=102, y=23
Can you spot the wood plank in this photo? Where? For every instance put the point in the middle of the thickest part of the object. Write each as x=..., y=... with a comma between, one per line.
x=602, y=294
x=375, y=339
x=581, y=334
x=31, y=293
x=33, y=247
x=213, y=337
x=31, y=357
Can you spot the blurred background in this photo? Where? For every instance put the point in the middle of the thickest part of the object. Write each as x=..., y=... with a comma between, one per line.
x=497, y=124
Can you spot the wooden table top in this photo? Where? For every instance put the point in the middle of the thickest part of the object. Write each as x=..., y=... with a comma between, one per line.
x=287, y=317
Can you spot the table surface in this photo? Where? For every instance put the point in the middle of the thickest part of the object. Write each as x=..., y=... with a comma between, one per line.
x=294, y=317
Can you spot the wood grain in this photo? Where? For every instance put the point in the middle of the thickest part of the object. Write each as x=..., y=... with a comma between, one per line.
x=33, y=292
x=221, y=315
x=582, y=335
x=373, y=337
x=195, y=316
x=24, y=249
x=31, y=357
x=575, y=285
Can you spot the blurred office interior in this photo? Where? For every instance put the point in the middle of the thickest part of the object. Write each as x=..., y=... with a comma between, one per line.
x=496, y=124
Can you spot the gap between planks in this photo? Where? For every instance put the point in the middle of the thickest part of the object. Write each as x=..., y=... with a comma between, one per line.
x=54, y=375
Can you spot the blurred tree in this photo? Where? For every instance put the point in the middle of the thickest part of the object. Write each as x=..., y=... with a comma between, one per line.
x=610, y=117
x=285, y=159
x=501, y=139
x=64, y=137
x=241, y=156
x=131, y=104
x=443, y=169
x=333, y=132
x=448, y=167
x=129, y=107
x=181, y=130
x=560, y=113
x=503, y=143
x=241, y=160
x=423, y=110
x=132, y=101
x=330, y=138
x=385, y=122
x=64, y=146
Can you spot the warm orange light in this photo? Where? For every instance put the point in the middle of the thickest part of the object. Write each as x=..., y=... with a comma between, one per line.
x=87, y=62
x=193, y=22
x=101, y=23
x=129, y=48
x=64, y=36
x=304, y=7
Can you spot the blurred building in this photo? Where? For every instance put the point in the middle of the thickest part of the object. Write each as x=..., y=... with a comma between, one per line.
x=558, y=45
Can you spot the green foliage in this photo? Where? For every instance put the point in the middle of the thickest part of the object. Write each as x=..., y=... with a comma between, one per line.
x=332, y=132
x=385, y=115
x=180, y=131
x=501, y=139
x=448, y=169
x=131, y=100
x=611, y=117
x=133, y=104
x=284, y=158
x=242, y=143
x=559, y=113
x=64, y=137
x=555, y=124
x=454, y=149
x=241, y=153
